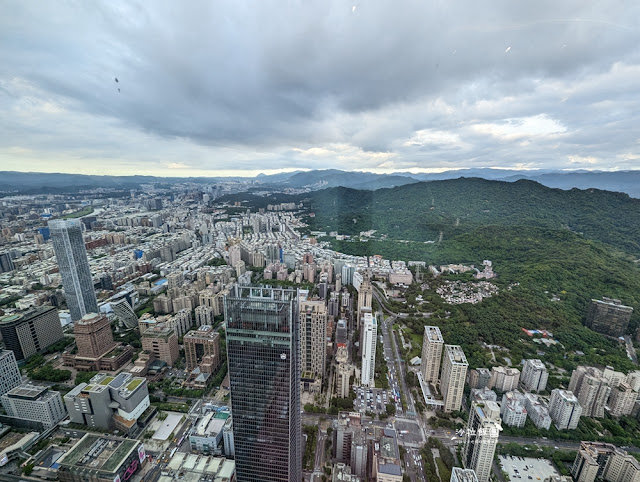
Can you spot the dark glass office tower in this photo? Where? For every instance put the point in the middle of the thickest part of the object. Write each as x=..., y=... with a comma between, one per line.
x=264, y=372
x=74, y=267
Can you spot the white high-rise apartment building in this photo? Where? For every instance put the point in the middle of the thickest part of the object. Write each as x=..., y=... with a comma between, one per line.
x=481, y=438
x=622, y=399
x=454, y=373
x=369, y=339
x=431, y=354
x=564, y=409
x=534, y=376
x=73, y=262
x=504, y=379
x=592, y=390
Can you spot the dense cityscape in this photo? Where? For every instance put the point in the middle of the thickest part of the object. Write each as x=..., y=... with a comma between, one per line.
x=165, y=333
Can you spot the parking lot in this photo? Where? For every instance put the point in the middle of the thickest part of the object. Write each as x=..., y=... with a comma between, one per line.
x=372, y=399
x=527, y=469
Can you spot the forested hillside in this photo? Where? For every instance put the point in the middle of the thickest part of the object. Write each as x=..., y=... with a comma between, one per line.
x=421, y=211
x=555, y=249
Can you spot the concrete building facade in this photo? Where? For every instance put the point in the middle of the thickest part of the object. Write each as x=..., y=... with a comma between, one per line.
x=432, y=345
x=481, y=438
x=564, y=409
x=313, y=337
x=33, y=402
x=534, y=376
x=200, y=343
x=73, y=263
x=32, y=331
x=162, y=341
x=454, y=373
x=369, y=340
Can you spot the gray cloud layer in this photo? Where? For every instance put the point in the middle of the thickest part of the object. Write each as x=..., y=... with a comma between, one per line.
x=257, y=86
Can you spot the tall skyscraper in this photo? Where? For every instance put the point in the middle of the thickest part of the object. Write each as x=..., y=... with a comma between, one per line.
x=365, y=295
x=431, y=354
x=263, y=331
x=313, y=337
x=481, y=438
x=369, y=339
x=32, y=331
x=454, y=373
x=74, y=267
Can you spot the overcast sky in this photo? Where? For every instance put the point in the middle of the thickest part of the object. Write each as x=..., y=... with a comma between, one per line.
x=241, y=87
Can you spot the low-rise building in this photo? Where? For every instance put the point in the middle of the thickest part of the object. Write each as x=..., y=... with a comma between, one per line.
x=207, y=438
x=101, y=458
x=109, y=401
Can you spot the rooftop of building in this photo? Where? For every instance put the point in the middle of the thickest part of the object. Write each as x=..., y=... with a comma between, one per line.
x=613, y=303
x=209, y=425
x=566, y=394
x=203, y=332
x=197, y=467
x=98, y=452
x=433, y=334
x=456, y=355
x=159, y=330
x=28, y=391
x=390, y=469
x=25, y=315
x=124, y=383
x=536, y=363
x=464, y=475
x=90, y=318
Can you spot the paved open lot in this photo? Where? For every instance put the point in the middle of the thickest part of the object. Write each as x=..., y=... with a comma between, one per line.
x=372, y=399
x=527, y=468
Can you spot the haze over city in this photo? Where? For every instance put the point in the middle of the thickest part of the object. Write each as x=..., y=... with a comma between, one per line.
x=238, y=88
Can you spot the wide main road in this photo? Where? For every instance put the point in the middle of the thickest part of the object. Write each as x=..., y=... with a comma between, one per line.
x=392, y=355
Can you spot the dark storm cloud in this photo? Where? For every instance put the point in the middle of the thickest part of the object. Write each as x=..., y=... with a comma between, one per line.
x=368, y=84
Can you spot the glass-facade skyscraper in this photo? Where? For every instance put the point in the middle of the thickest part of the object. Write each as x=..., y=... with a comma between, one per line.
x=264, y=372
x=71, y=255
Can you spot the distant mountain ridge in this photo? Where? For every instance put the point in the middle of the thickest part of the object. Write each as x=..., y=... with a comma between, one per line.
x=617, y=181
x=421, y=211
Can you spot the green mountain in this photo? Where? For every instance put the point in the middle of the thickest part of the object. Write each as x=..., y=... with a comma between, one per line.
x=553, y=251
x=421, y=211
